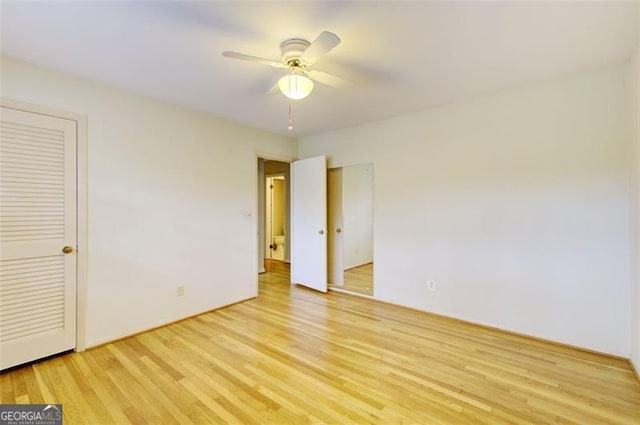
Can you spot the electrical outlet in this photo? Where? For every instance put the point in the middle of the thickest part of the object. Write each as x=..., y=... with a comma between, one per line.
x=431, y=285
x=180, y=291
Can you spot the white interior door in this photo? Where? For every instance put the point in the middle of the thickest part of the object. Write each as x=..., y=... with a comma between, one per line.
x=309, y=223
x=37, y=221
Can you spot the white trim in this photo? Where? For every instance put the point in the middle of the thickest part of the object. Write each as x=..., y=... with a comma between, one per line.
x=83, y=232
x=82, y=219
x=275, y=157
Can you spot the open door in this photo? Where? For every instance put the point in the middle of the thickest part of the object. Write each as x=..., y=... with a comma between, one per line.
x=309, y=223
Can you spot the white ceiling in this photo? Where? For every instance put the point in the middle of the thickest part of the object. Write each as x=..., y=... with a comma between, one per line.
x=404, y=56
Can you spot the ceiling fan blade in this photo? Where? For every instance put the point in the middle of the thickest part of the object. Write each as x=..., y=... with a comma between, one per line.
x=328, y=79
x=275, y=89
x=320, y=46
x=242, y=56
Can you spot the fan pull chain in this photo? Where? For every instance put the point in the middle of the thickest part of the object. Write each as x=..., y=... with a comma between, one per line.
x=290, y=127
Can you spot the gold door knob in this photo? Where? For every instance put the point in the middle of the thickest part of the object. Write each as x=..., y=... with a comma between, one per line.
x=321, y=232
x=339, y=230
x=67, y=249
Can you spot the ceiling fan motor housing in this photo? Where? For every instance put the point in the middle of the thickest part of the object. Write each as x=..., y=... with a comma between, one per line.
x=292, y=51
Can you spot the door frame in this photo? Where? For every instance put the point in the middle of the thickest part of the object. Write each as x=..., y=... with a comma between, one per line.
x=81, y=198
x=267, y=156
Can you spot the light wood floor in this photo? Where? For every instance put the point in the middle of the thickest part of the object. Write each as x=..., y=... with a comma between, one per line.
x=297, y=356
x=359, y=279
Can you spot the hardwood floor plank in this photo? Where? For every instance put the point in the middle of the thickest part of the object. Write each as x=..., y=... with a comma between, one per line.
x=44, y=385
x=115, y=408
x=7, y=393
x=219, y=411
x=33, y=389
x=20, y=389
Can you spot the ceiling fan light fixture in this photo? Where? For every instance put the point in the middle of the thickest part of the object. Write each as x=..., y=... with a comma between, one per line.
x=295, y=86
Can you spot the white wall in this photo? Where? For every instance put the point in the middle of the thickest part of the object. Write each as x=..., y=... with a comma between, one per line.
x=634, y=75
x=169, y=189
x=516, y=203
x=357, y=204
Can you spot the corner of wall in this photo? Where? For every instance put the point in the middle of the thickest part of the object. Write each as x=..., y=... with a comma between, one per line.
x=635, y=213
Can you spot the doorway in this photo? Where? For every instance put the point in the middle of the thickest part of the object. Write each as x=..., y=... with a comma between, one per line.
x=273, y=235
x=345, y=246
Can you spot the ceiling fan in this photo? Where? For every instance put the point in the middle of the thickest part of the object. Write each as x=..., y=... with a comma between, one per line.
x=298, y=55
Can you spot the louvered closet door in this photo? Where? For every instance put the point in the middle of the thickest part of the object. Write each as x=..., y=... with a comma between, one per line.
x=37, y=220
